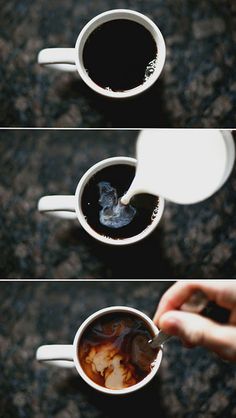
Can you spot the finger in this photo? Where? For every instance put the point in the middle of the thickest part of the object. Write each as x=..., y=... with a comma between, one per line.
x=173, y=298
x=196, y=330
x=232, y=319
x=187, y=345
x=221, y=292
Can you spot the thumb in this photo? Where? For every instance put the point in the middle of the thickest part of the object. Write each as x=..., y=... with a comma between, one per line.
x=195, y=330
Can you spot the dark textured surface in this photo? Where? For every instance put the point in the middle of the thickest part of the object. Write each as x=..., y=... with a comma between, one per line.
x=198, y=87
x=191, y=242
x=190, y=383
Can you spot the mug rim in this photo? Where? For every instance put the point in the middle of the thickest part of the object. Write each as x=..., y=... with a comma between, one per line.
x=81, y=218
x=230, y=152
x=106, y=17
x=93, y=317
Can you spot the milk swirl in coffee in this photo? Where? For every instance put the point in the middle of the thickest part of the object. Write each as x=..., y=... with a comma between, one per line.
x=113, y=213
x=105, y=213
x=114, y=351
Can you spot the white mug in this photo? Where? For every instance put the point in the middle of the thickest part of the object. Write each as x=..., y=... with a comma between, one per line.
x=67, y=355
x=71, y=59
x=69, y=207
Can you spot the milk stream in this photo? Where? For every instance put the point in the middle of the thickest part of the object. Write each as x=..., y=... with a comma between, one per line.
x=184, y=166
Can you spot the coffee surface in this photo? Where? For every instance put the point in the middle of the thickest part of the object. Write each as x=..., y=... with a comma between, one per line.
x=133, y=221
x=114, y=350
x=120, y=55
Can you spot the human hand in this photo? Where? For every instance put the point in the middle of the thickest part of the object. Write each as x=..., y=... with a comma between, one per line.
x=194, y=329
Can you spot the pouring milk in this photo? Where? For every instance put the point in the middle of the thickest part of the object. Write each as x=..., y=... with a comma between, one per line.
x=184, y=166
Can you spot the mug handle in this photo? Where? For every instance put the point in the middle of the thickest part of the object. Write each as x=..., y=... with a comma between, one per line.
x=56, y=355
x=62, y=59
x=58, y=206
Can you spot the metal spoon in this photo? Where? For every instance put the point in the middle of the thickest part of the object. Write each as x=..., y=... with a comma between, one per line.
x=159, y=339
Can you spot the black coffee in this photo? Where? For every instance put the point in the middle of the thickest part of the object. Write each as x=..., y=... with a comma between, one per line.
x=114, y=350
x=120, y=55
x=119, y=177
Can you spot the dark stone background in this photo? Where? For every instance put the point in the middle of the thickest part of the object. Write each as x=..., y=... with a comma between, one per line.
x=197, y=241
x=190, y=383
x=198, y=87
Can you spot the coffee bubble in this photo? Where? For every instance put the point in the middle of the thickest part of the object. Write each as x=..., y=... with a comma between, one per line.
x=150, y=69
x=154, y=213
